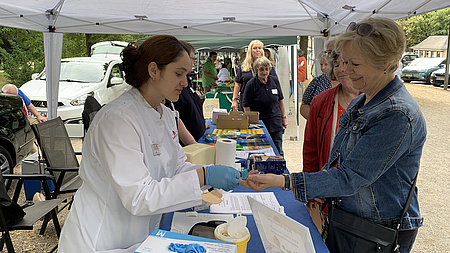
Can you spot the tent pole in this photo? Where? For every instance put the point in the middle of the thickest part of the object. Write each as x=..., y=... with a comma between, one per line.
x=447, y=63
x=53, y=53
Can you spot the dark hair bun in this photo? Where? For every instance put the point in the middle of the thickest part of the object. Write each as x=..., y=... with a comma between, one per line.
x=130, y=55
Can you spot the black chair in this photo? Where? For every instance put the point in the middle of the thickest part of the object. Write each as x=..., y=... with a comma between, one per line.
x=91, y=107
x=59, y=156
x=33, y=211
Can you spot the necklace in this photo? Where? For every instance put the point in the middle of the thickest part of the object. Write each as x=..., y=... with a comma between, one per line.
x=343, y=97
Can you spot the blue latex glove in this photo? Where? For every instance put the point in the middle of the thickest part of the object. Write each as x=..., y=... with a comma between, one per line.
x=187, y=248
x=222, y=177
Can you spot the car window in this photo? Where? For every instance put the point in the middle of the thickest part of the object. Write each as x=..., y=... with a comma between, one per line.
x=115, y=71
x=107, y=49
x=85, y=72
x=426, y=62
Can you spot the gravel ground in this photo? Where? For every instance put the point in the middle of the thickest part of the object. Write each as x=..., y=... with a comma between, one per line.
x=434, y=172
x=432, y=181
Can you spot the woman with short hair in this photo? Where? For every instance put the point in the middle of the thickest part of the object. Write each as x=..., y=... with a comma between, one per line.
x=263, y=94
x=377, y=149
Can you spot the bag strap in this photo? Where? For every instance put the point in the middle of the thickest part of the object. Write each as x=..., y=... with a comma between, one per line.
x=408, y=202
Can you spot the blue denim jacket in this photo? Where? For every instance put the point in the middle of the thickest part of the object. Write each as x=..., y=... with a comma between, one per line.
x=378, y=148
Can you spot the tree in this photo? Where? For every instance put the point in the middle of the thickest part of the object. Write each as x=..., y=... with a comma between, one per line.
x=420, y=27
x=22, y=54
x=22, y=51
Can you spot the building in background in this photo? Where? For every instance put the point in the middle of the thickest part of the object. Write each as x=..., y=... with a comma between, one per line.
x=433, y=46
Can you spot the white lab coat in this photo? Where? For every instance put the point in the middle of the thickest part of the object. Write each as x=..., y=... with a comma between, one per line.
x=133, y=170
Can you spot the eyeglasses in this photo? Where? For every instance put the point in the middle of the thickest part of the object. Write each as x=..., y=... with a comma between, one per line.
x=363, y=29
x=263, y=69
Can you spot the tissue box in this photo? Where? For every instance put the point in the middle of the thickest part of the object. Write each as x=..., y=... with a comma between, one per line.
x=200, y=153
x=216, y=112
x=268, y=164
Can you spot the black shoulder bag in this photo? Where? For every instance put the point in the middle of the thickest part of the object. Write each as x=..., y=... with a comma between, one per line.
x=351, y=233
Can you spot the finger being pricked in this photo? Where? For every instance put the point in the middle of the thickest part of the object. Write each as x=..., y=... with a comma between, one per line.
x=252, y=172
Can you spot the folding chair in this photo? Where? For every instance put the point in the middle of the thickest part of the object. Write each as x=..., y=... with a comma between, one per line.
x=34, y=212
x=59, y=156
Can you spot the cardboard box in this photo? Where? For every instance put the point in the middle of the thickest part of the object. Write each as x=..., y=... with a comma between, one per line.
x=216, y=112
x=232, y=122
x=253, y=117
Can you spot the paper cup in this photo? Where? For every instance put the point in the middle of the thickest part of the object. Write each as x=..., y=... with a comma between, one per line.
x=220, y=233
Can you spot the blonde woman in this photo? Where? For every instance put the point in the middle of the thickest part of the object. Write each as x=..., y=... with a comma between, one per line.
x=245, y=73
x=377, y=147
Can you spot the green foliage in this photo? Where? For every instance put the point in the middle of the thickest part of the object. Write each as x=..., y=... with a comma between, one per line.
x=420, y=27
x=21, y=53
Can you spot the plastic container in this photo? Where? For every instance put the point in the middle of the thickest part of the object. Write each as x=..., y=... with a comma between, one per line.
x=220, y=233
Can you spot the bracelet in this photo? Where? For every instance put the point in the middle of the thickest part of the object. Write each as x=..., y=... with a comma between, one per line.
x=287, y=182
x=204, y=175
x=235, y=98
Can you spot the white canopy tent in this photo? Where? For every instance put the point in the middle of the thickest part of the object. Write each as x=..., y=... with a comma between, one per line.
x=193, y=17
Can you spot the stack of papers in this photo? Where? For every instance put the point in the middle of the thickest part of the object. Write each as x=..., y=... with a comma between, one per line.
x=238, y=202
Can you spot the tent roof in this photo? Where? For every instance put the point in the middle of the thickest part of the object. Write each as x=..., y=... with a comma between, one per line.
x=204, y=17
x=232, y=44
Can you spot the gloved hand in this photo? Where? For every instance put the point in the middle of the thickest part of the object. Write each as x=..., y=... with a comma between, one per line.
x=222, y=177
x=187, y=248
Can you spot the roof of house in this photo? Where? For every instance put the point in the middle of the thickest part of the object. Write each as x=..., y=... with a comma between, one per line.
x=433, y=42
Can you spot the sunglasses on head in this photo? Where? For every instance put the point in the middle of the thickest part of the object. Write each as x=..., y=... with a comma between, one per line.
x=363, y=29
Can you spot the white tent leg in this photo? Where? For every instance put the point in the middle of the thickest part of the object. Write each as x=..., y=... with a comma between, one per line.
x=53, y=52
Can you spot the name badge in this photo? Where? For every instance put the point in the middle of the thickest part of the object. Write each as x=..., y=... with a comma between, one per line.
x=274, y=91
x=155, y=150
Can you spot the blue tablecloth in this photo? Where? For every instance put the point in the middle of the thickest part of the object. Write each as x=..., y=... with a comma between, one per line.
x=292, y=208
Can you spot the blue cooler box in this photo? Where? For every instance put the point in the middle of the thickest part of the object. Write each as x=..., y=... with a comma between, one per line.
x=30, y=165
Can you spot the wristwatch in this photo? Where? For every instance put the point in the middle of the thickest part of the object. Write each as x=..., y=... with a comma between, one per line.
x=287, y=182
x=284, y=117
x=235, y=98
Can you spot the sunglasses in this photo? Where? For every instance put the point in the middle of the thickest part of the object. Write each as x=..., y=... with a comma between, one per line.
x=363, y=29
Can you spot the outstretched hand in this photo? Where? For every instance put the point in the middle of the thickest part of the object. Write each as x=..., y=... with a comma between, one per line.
x=259, y=182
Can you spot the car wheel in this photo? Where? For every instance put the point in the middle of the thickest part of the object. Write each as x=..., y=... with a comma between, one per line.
x=6, y=164
x=428, y=80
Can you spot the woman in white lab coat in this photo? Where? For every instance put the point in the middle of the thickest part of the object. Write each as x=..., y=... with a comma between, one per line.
x=133, y=168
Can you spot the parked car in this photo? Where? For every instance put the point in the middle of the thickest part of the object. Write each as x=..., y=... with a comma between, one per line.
x=438, y=77
x=407, y=58
x=108, y=49
x=79, y=78
x=16, y=136
x=421, y=68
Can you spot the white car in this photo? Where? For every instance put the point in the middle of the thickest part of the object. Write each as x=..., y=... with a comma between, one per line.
x=79, y=78
x=108, y=49
x=438, y=77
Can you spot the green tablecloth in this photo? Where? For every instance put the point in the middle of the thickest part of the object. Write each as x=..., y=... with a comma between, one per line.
x=224, y=99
